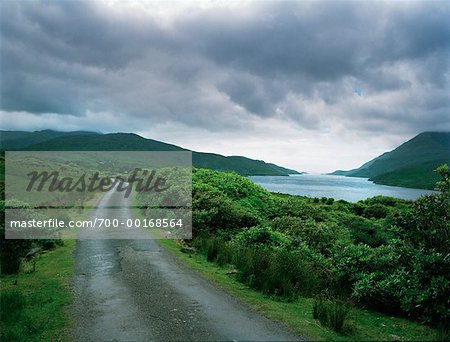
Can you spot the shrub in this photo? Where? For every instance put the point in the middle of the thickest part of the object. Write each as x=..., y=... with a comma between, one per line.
x=358, y=208
x=261, y=235
x=385, y=200
x=296, y=206
x=13, y=250
x=280, y=272
x=377, y=211
x=319, y=236
x=364, y=231
x=213, y=210
x=332, y=313
x=251, y=197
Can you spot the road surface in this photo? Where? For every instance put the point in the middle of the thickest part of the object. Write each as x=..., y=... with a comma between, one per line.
x=133, y=290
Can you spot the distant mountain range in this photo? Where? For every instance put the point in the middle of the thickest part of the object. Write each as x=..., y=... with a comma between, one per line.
x=412, y=164
x=48, y=140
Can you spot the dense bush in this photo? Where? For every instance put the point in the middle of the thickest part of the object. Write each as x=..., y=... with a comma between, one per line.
x=213, y=210
x=280, y=272
x=240, y=190
x=396, y=278
x=377, y=211
x=13, y=250
x=365, y=231
x=319, y=236
x=384, y=253
x=261, y=235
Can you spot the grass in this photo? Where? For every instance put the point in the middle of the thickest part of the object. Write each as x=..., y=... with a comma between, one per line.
x=332, y=313
x=35, y=302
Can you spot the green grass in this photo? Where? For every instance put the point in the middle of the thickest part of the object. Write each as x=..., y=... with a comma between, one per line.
x=297, y=315
x=35, y=302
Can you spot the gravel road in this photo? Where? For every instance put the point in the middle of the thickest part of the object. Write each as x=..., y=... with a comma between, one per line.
x=133, y=290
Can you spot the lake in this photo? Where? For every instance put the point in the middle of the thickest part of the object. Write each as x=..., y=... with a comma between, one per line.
x=351, y=189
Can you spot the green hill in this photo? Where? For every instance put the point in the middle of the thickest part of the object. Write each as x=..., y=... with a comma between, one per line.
x=421, y=176
x=13, y=140
x=409, y=165
x=102, y=142
x=87, y=141
x=289, y=171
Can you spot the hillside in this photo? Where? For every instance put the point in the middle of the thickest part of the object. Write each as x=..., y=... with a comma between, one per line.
x=289, y=171
x=87, y=141
x=409, y=165
x=13, y=140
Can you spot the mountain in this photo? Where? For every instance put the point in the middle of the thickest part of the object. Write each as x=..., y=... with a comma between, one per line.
x=409, y=165
x=13, y=140
x=100, y=142
x=89, y=141
x=288, y=171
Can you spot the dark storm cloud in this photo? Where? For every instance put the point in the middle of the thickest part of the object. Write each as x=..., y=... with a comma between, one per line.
x=57, y=55
x=325, y=40
x=77, y=32
x=255, y=94
x=313, y=63
x=280, y=40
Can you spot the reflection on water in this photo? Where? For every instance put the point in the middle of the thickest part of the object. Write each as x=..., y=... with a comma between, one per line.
x=351, y=189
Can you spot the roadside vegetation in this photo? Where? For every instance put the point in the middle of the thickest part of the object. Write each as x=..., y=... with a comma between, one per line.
x=383, y=254
x=34, y=278
x=297, y=314
x=332, y=269
x=35, y=300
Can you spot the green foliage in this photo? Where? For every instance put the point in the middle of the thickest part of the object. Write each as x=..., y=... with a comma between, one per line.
x=428, y=223
x=12, y=304
x=261, y=235
x=213, y=210
x=383, y=253
x=287, y=274
x=363, y=230
x=13, y=250
x=319, y=236
x=326, y=200
x=242, y=191
x=35, y=306
x=301, y=207
x=376, y=211
x=443, y=185
x=332, y=313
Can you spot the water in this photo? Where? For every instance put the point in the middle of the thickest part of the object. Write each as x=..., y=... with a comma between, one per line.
x=351, y=189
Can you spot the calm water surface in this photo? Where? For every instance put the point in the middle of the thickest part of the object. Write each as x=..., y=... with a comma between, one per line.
x=339, y=187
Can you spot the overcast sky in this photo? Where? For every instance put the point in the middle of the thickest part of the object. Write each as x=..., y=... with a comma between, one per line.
x=314, y=86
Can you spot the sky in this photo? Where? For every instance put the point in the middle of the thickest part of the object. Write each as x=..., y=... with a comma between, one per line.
x=314, y=86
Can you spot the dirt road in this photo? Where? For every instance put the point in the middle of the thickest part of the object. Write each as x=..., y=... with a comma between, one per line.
x=133, y=290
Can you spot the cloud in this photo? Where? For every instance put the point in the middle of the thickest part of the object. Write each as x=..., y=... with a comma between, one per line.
x=333, y=68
